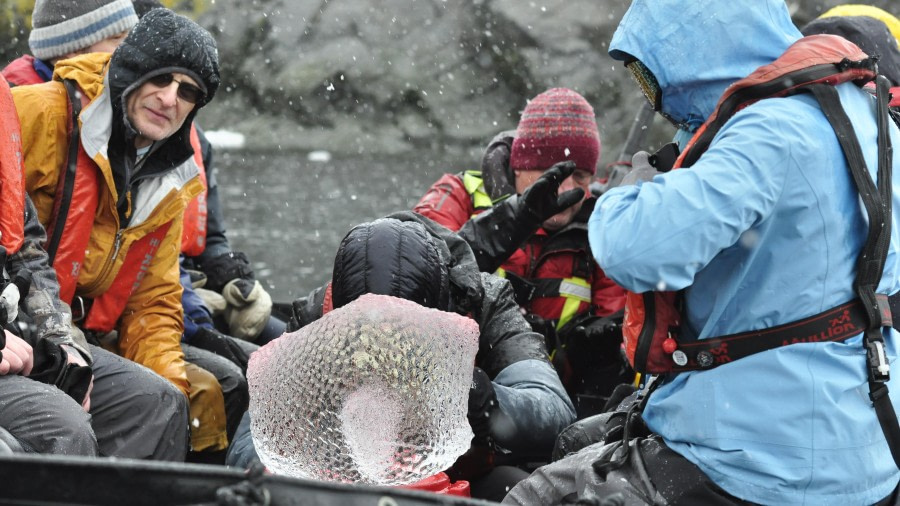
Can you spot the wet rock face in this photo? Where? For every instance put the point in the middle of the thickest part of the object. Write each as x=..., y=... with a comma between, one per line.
x=387, y=76
x=373, y=392
x=393, y=75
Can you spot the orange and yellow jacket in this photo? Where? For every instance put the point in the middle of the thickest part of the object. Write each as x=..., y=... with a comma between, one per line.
x=150, y=326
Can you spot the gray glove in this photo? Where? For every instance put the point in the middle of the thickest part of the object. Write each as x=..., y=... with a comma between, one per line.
x=247, y=305
x=641, y=169
x=249, y=308
x=214, y=301
x=9, y=303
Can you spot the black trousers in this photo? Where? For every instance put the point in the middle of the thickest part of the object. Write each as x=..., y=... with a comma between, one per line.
x=230, y=377
x=43, y=419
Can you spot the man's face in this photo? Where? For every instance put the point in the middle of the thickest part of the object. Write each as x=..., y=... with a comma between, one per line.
x=157, y=112
x=579, y=179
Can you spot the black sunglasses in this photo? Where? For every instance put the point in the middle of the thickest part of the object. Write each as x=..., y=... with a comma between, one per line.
x=186, y=91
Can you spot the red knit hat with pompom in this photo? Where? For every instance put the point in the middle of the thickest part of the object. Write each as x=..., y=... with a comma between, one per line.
x=557, y=125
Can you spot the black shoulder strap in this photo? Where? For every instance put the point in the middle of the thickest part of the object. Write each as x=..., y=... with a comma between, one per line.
x=64, y=199
x=876, y=199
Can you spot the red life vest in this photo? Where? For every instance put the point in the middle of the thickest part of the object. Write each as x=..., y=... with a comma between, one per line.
x=12, y=176
x=895, y=95
x=652, y=319
x=193, y=236
x=74, y=209
x=106, y=309
x=553, y=275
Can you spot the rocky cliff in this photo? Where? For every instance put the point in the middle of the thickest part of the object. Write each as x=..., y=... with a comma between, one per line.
x=389, y=76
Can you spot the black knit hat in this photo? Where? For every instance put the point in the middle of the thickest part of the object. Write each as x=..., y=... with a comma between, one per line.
x=164, y=42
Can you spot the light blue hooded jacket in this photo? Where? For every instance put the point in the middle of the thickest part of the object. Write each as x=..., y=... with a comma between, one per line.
x=764, y=229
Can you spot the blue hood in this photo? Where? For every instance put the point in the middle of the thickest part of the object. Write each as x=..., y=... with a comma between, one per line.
x=697, y=49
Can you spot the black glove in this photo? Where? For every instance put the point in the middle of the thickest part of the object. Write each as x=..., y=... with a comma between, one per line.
x=222, y=345
x=51, y=366
x=596, y=337
x=482, y=406
x=224, y=268
x=540, y=200
x=498, y=232
x=581, y=434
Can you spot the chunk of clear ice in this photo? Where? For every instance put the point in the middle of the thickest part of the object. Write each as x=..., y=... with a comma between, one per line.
x=373, y=392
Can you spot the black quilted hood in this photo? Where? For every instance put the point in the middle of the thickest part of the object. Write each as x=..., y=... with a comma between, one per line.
x=164, y=42
x=391, y=257
x=161, y=42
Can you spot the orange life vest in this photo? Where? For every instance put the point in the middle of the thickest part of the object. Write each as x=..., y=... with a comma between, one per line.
x=652, y=319
x=70, y=226
x=193, y=236
x=12, y=175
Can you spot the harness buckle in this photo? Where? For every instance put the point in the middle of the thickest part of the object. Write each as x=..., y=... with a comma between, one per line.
x=78, y=312
x=879, y=367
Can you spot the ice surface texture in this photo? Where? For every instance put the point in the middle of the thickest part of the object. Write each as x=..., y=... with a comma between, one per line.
x=373, y=392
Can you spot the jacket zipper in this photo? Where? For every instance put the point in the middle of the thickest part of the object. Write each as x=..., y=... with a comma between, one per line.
x=117, y=244
x=107, y=265
x=111, y=260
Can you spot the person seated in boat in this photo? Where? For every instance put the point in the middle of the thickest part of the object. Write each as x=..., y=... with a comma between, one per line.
x=517, y=404
x=61, y=395
x=115, y=228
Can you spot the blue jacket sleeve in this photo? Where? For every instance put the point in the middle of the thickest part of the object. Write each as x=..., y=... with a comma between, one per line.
x=658, y=234
x=536, y=406
x=196, y=314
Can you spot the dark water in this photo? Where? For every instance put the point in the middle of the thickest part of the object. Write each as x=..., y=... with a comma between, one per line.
x=289, y=214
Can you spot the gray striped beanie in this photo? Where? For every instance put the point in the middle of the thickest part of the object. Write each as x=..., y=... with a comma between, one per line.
x=60, y=27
